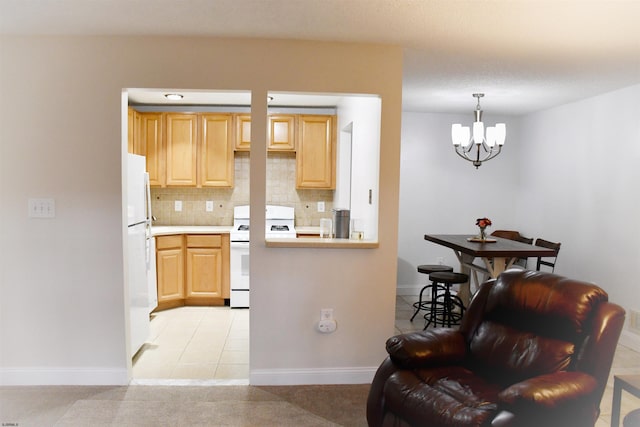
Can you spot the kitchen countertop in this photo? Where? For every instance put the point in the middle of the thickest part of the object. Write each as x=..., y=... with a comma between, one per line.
x=304, y=242
x=317, y=242
x=161, y=230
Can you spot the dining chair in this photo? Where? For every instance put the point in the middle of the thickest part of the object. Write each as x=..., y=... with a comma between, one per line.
x=506, y=234
x=515, y=235
x=551, y=260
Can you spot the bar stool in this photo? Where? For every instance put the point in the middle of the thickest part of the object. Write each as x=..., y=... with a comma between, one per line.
x=446, y=308
x=428, y=269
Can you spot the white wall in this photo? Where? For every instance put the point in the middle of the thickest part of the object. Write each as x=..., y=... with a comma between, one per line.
x=363, y=113
x=580, y=176
x=440, y=193
x=62, y=287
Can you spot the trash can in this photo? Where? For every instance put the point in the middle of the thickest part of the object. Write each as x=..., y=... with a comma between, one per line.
x=341, y=223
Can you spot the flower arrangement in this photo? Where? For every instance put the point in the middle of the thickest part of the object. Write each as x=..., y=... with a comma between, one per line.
x=483, y=223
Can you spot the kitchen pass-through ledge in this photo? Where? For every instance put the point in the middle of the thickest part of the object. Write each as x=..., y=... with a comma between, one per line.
x=316, y=242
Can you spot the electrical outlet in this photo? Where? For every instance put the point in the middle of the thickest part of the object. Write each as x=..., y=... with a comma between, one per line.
x=320, y=206
x=178, y=206
x=326, y=314
x=327, y=326
x=209, y=205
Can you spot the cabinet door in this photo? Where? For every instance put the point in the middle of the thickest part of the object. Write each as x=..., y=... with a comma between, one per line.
x=130, y=130
x=151, y=146
x=204, y=272
x=137, y=128
x=216, y=151
x=316, y=152
x=281, y=133
x=170, y=271
x=181, y=148
x=243, y=132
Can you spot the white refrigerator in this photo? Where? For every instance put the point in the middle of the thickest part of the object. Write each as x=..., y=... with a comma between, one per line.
x=141, y=259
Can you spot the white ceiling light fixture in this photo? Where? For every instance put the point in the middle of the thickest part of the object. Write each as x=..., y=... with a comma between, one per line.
x=486, y=147
x=173, y=96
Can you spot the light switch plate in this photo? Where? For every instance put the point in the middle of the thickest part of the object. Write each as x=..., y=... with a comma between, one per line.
x=42, y=208
x=178, y=206
x=209, y=206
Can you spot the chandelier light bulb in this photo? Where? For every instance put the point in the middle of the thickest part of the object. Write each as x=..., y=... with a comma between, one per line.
x=456, y=129
x=465, y=136
x=501, y=133
x=478, y=132
x=491, y=136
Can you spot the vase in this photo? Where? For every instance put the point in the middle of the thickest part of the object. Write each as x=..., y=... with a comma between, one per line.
x=483, y=234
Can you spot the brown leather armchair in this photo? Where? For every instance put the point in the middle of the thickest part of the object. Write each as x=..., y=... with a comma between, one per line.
x=533, y=349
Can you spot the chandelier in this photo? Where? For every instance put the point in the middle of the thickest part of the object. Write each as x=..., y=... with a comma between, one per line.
x=478, y=148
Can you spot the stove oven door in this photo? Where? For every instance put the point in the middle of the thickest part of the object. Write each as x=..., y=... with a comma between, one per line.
x=239, y=274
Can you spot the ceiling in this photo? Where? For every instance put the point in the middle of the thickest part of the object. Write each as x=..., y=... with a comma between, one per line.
x=525, y=55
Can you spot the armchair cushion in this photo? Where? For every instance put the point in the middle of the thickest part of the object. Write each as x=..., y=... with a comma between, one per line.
x=428, y=394
x=517, y=354
x=549, y=391
x=427, y=348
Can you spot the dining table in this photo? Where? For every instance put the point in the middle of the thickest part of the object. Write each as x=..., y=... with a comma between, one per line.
x=496, y=253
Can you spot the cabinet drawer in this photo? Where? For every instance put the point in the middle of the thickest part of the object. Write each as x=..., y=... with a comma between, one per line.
x=204, y=240
x=166, y=242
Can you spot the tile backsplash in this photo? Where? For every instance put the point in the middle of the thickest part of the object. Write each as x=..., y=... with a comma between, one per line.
x=281, y=190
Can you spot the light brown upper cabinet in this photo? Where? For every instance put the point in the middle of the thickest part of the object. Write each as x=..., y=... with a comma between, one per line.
x=282, y=134
x=316, y=152
x=215, y=154
x=152, y=147
x=181, y=147
x=187, y=149
x=133, y=128
x=243, y=132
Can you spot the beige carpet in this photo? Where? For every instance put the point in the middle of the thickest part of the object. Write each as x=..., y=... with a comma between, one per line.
x=339, y=405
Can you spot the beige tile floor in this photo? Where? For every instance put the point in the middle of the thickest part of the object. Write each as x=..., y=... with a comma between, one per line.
x=195, y=343
x=626, y=362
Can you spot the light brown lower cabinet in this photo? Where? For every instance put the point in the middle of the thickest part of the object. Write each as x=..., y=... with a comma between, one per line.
x=170, y=271
x=192, y=269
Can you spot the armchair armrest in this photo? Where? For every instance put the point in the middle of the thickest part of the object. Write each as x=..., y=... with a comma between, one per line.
x=427, y=348
x=549, y=391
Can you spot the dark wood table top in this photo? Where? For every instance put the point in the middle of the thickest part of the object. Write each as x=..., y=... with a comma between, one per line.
x=500, y=248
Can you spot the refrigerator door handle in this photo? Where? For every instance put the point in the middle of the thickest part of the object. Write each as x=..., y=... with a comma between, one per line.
x=149, y=217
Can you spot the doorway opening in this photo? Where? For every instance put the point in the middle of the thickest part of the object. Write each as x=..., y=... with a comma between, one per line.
x=196, y=178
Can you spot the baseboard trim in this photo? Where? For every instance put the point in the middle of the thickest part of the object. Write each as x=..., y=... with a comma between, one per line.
x=409, y=289
x=312, y=376
x=63, y=376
